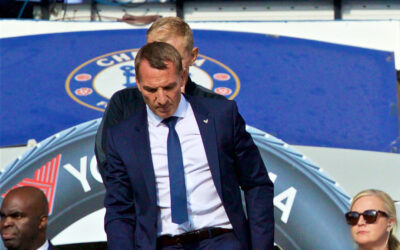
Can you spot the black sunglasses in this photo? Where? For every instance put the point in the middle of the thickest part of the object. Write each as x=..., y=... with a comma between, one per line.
x=370, y=216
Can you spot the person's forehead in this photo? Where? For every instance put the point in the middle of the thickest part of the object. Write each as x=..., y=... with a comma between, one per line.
x=148, y=72
x=15, y=203
x=368, y=202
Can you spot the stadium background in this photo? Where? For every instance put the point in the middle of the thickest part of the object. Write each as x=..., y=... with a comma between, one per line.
x=328, y=88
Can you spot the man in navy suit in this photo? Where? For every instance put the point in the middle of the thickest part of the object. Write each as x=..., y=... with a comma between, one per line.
x=123, y=103
x=217, y=156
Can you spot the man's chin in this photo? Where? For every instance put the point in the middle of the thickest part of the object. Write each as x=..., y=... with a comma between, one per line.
x=164, y=114
x=11, y=243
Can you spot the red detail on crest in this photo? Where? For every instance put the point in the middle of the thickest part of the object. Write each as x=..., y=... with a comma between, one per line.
x=83, y=91
x=83, y=77
x=221, y=76
x=223, y=91
x=45, y=179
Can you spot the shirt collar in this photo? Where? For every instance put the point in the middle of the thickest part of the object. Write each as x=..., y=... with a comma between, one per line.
x=180, y=112
x=45, y=246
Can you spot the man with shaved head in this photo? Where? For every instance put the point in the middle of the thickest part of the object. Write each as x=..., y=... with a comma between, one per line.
x=24, y=214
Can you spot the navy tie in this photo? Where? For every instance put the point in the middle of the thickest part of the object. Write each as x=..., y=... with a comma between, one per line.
x=176, y=174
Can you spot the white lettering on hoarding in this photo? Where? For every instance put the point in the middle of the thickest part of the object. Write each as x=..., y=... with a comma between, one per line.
x=81, y=175
x=289, y=195
x=283, y=201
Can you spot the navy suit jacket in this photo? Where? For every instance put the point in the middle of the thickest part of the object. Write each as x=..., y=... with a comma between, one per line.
x=234, y=160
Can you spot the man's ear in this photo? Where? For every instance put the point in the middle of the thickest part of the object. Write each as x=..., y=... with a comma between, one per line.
x=43, y=222
x=193, y=55
x=185, y=74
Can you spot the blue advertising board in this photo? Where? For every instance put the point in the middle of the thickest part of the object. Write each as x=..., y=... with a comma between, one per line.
x=301, y=91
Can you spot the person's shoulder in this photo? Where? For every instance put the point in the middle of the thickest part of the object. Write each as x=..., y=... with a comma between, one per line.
x=194, y=89
x=126, y=94
x=133, y=109
x=206, y=93
x=123, y=104
x=212, y=104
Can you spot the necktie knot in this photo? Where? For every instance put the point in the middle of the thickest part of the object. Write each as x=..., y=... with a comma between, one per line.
x=170, y=121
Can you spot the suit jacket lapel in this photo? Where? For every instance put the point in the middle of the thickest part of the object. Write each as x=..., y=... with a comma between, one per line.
x=206, y=124
x=142, y=151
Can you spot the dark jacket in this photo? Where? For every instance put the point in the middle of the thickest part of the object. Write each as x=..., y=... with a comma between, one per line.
x=235, y=163
x=123, y=104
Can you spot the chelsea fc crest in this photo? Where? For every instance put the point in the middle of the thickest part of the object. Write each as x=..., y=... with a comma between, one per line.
x=94, y=82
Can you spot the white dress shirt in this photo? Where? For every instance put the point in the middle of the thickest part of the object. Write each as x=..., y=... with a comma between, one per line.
x=205, y=208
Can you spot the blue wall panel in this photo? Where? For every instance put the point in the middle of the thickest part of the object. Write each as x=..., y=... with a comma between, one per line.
x=304, y=92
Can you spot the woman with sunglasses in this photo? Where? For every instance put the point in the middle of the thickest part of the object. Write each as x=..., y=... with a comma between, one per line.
x=373, y=221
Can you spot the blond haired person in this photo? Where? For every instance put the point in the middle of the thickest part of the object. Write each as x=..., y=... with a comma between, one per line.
x=373, y=221
x=176, y=32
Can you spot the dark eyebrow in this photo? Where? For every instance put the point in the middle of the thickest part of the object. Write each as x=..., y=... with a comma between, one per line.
x=149, y=89
x=16, y=214
x=169, y=86
x=12, y=213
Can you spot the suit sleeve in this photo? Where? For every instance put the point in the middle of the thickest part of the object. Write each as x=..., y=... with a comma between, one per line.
x=257, y=187
x=120, y=219
x=113, y=114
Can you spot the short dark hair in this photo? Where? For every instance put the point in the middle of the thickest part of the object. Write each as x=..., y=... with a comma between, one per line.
x=157, y=53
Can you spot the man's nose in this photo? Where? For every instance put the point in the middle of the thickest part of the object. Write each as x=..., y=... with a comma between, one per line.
x=161, y=97
x=6, y=221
